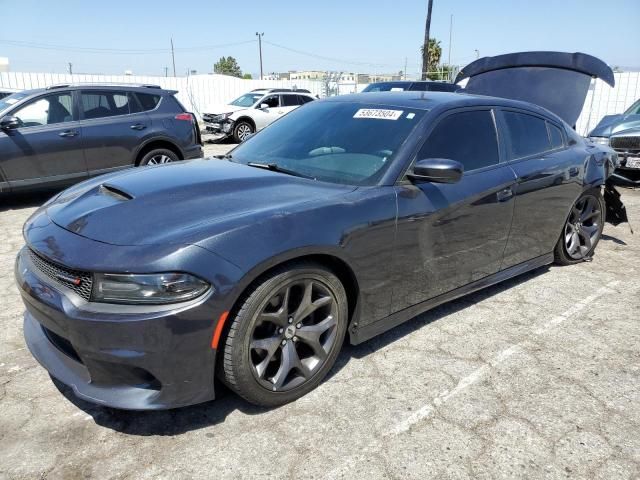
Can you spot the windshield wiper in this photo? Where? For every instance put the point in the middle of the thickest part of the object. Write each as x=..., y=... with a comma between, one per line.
x=274, y=167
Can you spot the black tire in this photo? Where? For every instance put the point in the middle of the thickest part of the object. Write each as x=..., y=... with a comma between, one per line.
x=242, y=130
x=274, y=376
x=583, y=227
x=158, y=156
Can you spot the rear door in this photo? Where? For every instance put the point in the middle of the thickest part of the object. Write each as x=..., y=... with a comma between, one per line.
x=289, y=102
x=450, y=235
x=114, y=126
x=548, y=182
x=47, y=147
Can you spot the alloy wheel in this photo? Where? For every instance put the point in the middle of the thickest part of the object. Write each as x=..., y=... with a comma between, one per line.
x=293, y=334
x=159, y=159
x=244, y=131
x=583, y=227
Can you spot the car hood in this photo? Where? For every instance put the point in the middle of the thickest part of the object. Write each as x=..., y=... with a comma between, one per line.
x=220, y=109
x=181, y=203
x=557, y=81
x=612, y=124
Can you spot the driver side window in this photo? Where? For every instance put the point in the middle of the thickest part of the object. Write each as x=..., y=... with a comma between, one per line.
x=273, y=101
x=47, y=110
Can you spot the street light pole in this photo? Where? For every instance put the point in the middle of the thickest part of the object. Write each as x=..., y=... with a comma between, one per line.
x=260, y=35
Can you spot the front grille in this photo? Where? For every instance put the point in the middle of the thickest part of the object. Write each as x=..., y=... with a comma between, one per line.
x=75, y=280
x=61, y=344
x=625, y=143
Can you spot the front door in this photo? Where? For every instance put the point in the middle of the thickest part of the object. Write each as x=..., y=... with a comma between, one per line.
x=450, y=235
x=47, y=146
x=272, y=111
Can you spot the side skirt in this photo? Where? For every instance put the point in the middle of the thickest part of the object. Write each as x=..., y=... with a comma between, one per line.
x=361, y=334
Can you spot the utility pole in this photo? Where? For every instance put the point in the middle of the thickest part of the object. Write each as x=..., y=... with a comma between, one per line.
x=173, y=58
x=260, y=35
x=70, y=68
x=425, y=47
x=449, y=70
x=166, y=71
x=405, y=68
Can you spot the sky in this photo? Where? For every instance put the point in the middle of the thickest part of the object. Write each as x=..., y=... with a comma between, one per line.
x=374, y=36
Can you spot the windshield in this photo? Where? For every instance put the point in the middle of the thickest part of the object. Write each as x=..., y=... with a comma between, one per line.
x=387, y=86
x=339, y=142
x=11, y=100
x=247, y=99
x=633, y=109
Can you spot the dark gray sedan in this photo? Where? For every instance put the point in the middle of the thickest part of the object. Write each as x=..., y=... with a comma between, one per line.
x=346, y=217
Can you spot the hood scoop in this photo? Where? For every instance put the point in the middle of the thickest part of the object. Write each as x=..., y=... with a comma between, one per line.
x=115, y=192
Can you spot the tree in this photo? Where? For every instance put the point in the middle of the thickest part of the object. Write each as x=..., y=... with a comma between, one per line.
x=435, y=54
x=247, y=76
x=228, y=66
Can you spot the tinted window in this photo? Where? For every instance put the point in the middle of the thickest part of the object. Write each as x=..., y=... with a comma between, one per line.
x=272, y=101
x=290, y=100
x=419, y=86
x=304, y=99
x=148, y=101
x=527, y=134
x=442, y=87
x=555, y=134
x=386, y=86
x=47, y=110
x=96, y=104
x=468, y=137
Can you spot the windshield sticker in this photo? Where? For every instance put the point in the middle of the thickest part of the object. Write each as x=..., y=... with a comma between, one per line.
x=11, y=101
x=378, y=113
x=410, y=116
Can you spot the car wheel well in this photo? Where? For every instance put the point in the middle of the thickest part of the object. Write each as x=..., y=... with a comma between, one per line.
x=337, y=266
x=156, y=144
x=249, y=120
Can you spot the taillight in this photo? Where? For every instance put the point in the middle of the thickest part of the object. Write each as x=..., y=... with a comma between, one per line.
x=184, y=116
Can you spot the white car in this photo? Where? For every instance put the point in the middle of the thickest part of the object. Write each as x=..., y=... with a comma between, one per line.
x=5, y=92
x=252, y=112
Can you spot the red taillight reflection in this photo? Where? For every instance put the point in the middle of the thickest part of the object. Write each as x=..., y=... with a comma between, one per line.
x=184, y=116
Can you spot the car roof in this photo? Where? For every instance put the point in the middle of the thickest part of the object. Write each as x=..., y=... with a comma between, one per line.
x=98, y=86
x=431, y=100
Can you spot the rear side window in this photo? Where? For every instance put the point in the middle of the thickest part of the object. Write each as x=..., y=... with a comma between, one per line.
x=527, y=135
x=97, y=104
x=468, y=137
x=304, y=99
x=290, y=100
x=148, y=101
x=555, y=135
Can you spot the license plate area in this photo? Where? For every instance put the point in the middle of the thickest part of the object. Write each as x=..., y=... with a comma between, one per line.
x=633, y=162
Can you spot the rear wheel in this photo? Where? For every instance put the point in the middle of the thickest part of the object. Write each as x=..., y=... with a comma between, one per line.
x=158, y=156
x=582, y=230
x=286, y=335
x=242, y=130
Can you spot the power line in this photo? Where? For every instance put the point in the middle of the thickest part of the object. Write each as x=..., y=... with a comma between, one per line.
x=322, y=57
x=118, y=51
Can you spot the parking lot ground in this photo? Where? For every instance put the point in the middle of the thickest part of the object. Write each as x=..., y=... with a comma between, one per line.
x=538, y=377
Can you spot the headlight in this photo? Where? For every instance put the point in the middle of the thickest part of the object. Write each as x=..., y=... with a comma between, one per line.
x=157, y=288
x=600, y=140
x=220, y=118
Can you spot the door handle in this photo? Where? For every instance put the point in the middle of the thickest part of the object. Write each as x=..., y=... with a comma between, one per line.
x=138, y=126
x=504, y=195
x=574, y=171
x=68, y=133
x=280, y=111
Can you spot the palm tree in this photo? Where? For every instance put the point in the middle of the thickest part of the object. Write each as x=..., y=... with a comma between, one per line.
x=435, y=54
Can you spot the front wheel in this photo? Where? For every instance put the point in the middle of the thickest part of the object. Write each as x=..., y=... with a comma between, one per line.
x=286, y=335
x=242, y=130
x=582, y=230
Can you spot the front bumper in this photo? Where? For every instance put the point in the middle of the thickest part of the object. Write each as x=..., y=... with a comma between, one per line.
x=217, y=130
x=148, y=359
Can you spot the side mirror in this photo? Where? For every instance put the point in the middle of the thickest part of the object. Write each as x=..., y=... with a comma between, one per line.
x=264, y=106
x=436, y=170
x=9, y=123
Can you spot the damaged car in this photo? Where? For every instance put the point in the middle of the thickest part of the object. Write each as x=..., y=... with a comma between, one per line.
x=342, y=220
x=252, y=112
x=622, y=133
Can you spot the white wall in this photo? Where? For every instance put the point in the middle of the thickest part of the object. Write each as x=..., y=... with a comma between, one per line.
x=603, y=100
x=199, y=91
x=195, y=92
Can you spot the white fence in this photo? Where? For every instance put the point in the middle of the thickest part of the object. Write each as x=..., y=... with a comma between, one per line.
x=195, y=92
x=198, y=92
